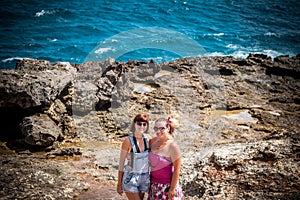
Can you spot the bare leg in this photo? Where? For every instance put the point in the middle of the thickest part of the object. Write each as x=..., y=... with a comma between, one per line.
x=133, y=196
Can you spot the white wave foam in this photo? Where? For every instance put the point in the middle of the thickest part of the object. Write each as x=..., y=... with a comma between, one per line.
x=10, y=59
x=240, y=54
x=43, y=12
x=271, y=53
x=233, y=46
x=214, y=34
x=52, y=40
x=214, y=54
x=244, y=53
x=271, y=34
x=157, y=59
x=103, y=50
x=218, y=34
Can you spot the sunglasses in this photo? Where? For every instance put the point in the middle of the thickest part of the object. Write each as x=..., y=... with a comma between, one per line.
x=141, y=123
x=159, y=128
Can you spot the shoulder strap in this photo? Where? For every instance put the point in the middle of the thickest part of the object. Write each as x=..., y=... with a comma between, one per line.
x=134, y=145
x=146, y=143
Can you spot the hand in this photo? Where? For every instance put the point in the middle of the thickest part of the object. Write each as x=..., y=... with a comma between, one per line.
x=119, y=189
x=171, y=193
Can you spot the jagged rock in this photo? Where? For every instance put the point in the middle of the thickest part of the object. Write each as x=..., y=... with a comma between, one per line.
x=39, y=130
x=36, y=88
x=29, y=65
x=93, y=85
x=59, y=114
x=238, y=120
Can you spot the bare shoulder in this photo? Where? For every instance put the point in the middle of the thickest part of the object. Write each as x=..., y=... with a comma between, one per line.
x=174, y=151
x=126, y=144
x=151, y=140
x=173, y=144
x=174, y=147
x=126, y=140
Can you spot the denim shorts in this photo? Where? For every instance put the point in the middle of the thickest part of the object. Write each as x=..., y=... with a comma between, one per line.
x=133, y=182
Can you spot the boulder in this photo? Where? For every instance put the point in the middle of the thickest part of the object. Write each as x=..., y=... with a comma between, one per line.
x=39, y=130
x=34, y=88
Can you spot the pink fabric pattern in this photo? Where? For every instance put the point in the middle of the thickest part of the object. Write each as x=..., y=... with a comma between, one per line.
x=161, y=168
x=160, y=192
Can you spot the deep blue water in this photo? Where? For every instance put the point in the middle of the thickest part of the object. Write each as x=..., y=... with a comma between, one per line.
x=81, y=30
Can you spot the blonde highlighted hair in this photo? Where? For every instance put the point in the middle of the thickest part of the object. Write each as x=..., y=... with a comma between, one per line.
x=169, y=124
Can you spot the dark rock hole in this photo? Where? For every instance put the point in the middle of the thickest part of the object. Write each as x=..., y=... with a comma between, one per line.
x=10, y=119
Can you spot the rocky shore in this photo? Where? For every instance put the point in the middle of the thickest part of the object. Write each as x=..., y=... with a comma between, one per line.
x=237, y=125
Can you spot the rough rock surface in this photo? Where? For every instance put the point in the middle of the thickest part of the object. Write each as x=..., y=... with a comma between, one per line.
x=39, y=130
x=37, y=87
x=238, y=125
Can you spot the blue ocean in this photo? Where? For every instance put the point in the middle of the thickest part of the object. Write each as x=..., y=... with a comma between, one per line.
x=90, y=30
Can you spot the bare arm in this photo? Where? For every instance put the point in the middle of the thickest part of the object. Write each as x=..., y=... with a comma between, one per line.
x=151, y=141
x=125, y=148
x=176, y=160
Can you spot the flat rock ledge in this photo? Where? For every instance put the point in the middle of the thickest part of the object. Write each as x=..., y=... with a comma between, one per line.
x=237, y=125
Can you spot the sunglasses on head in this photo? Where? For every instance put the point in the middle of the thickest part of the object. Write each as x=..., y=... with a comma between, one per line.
x=141, y=123
x=159, y=128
